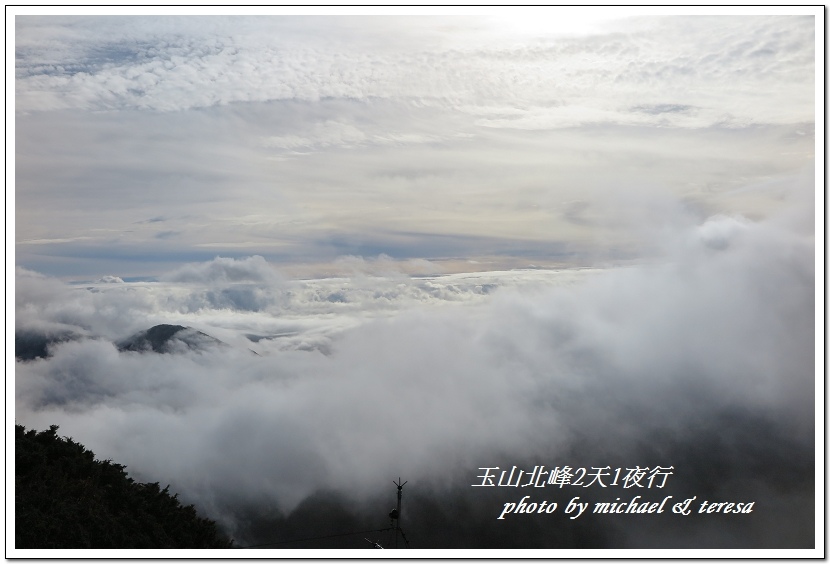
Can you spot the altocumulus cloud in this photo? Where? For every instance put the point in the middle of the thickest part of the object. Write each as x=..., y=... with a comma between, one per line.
x=704, y=361
x=174, y=64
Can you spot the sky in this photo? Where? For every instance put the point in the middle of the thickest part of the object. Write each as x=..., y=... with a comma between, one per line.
x=146, y=142
x=519, y=237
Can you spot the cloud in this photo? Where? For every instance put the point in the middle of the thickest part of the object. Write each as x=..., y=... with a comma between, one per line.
x=662, y=108
x=421, y=200
x=110, y=280
x=245, y=301
x=718, y=232
x=224, y=270
x=299, y=140
x=341, y=135
x=703, y=361
x=140, y=63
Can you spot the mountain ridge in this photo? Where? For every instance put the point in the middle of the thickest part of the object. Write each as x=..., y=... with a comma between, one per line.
x=165, y=338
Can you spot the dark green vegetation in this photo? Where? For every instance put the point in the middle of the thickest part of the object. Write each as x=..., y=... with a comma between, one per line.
x=64, y=498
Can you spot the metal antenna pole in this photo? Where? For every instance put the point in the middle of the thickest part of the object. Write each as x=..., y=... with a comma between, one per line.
x=398, y=520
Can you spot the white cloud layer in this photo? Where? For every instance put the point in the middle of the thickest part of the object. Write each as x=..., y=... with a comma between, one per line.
x=725, y=325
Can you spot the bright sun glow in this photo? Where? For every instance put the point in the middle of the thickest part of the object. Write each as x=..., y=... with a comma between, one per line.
x=559, y=21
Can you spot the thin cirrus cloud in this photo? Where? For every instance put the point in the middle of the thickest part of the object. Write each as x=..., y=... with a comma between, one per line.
x=349, y=194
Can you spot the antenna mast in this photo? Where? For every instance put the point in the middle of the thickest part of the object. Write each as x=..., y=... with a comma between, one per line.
x=398, y=512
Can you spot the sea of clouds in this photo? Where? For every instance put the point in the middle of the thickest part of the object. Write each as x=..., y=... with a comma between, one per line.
x=703, y=360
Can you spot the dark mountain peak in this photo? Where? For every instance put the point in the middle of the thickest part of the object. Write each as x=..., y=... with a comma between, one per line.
x=166, y=338
x=163, y=332
x=30, y=344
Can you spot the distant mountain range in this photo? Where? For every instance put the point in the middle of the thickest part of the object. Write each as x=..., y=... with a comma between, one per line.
x=165, y=339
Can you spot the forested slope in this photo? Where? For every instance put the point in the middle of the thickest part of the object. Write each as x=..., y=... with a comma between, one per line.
x=65, y=498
